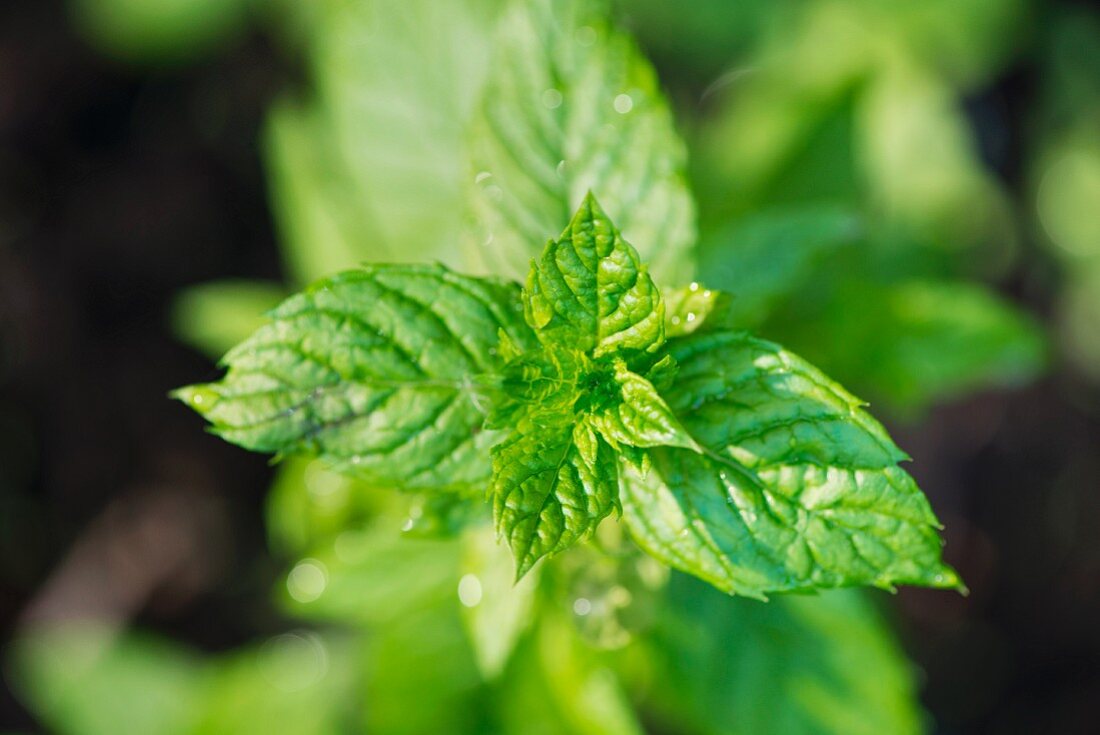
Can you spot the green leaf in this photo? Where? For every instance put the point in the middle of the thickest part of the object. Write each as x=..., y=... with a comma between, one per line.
x=553, y=482
x=88, y=679
x=640, y=417
x=765, y=257
x=558, y=685
x=824, y=664
x=215, y=316
x=374, y=370
x=572, y=106
x=372, y=165
x=83, y=679
x=925, y=340
x=689, y=307
x=495, y=609
x=798, y=487
x=590, y=292
x=159, y=32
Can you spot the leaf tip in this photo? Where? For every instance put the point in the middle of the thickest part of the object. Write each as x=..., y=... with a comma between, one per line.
x=201, y=397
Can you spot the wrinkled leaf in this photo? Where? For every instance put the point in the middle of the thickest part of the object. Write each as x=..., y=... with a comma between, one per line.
x=799, y=487
x=553, y=482
x=374, y=371
x=589, y=291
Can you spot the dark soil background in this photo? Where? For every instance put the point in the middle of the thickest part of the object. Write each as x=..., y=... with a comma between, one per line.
x=117, y=188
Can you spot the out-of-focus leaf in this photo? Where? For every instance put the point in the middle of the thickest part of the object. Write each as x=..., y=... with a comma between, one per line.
x=295, y=682
x=371, y=168
x=309, y=504
x=88, y=680
x=421, y=676
x=688, y=308
x=323, y=224
x=823, y=664
x=495, y=609
x=1079, y=312
x=375, y=576
x=572, y=107
x=213, y=317
x=848, y=102
x=1069, y=187
x=922, y=166
x=919, y=341
x=558, y=685
x=159, y=31
x=766, y=257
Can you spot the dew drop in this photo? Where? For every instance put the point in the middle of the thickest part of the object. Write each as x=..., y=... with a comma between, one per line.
x=691, y=316
x=623, y=104
x=693, y=287
x=481, y=177
x=582, y=606
x=552, y=99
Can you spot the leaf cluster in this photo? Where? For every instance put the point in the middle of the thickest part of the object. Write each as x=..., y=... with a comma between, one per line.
x=579, y=396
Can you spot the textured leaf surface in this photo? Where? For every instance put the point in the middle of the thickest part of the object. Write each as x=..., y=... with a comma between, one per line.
x=799, y=487
x=571, y=106
x=553, y=481
x=589, y=291
x=374, y=371
x=638, y=416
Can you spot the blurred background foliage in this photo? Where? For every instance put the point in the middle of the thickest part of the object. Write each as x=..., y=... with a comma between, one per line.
x=863, y=189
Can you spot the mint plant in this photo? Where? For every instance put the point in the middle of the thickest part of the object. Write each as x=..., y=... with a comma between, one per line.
x=576, y=397
x=597, y=404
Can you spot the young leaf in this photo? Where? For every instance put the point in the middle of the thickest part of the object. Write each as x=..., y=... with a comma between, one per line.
x=798, y=487
x=589, y=291
x=689, y=307
x=572, y=106
x=638, y=416
x=374, y=370
x=553, y=482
